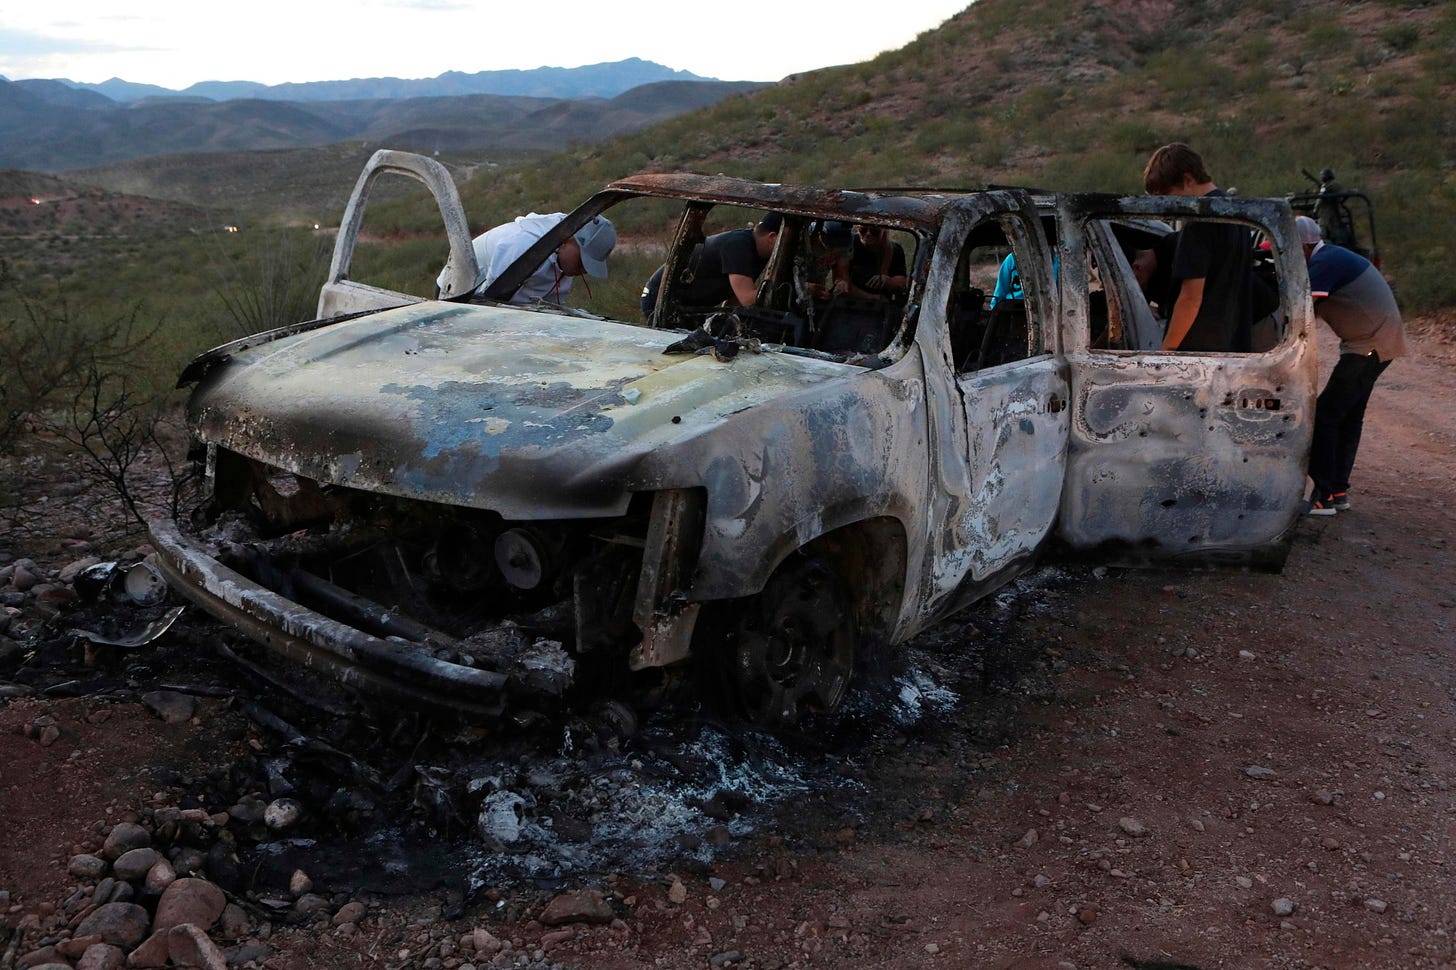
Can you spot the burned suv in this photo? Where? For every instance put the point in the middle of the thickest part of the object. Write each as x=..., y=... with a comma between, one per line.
x=459, y=501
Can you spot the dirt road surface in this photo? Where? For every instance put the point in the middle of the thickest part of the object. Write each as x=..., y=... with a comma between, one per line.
x=1171, y=769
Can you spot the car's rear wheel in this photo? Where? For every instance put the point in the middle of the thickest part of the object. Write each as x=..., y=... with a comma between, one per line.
x=792, y=647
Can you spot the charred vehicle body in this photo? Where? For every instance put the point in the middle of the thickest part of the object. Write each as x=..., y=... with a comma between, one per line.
x=456, y=500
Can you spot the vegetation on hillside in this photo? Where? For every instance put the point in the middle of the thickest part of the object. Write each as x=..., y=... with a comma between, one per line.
x=1075, y=96
x=1041, y=92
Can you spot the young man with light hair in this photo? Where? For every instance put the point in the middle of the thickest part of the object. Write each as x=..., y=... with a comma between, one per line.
x=1211, y=264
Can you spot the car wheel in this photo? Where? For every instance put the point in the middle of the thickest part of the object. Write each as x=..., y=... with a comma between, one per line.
x=794, y=644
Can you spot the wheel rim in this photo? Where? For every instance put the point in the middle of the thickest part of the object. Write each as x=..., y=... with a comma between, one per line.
x=796, y=650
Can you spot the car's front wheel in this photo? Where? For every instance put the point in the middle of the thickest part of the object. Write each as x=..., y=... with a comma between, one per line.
x=791, y=648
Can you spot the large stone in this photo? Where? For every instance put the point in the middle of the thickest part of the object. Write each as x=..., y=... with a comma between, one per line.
x=69, y=572
x=234, y=923
x=350, y=912
x=23, y=579
x=86, y=866
x=152, y=953
x=170, y=705
x=102, y=956
x=76, y=946
x=581, y=906
x=124, y=837
x=133, y=866
x=189, y=946
x=160, y=876
x=40, y=957
x=120, y=924
x=194, y=901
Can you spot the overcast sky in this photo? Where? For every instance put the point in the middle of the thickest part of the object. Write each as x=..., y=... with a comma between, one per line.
x=175, y=43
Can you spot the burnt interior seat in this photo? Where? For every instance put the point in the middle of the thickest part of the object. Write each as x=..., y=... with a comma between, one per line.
x=967, y=325
x=856, y=325
x=1005, y=339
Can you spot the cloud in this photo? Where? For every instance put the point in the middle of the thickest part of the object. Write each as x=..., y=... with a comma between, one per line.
x=431, y=6
x=24, y=44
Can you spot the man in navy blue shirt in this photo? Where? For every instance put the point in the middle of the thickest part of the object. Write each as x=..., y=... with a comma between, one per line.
x=1353, y=298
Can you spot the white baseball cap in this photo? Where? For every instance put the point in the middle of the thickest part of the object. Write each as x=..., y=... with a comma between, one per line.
x=597, y=239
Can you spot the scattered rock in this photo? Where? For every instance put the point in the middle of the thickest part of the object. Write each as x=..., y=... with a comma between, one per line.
x=1375, y=905
x=134, y=865
x=152, y=953
x=22, y=579
x=299, y=883
x=194, y=901
x=1244, y=882
x=677, y=893
x=351, y=912
x=41, y=957
x=70, y=571
x=87, y=867
x=282, y=814
x=159, y=877
x=189, y=946
x=234, y=923
x=120, y=924
x=171, y=706
x=1087, y=915
x=1283, y=906
x=77, y=946
x=1132, y=826
x=102, y=956
x=1259, y=771
x=1028, y=840
x=1041, y=881
x=729, y=957
x=716, y=884
x=1323, y=797
x=1246, y=655
x=310, y=903
x=124, y=837
x=584, y=906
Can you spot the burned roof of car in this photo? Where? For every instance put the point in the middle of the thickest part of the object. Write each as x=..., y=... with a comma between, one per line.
x=907, y=211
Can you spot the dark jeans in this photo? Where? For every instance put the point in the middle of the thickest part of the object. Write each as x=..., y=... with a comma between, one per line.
x=1339, y=417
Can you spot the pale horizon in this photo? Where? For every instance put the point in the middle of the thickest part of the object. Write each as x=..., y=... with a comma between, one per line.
x=165, y=42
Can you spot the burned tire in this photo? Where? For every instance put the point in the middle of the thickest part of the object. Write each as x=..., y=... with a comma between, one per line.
x=792, y=646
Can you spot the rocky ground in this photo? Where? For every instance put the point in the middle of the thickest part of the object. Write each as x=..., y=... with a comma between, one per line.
x=1098, y=768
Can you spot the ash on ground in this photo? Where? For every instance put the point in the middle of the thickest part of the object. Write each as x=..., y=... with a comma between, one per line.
x=367, y=797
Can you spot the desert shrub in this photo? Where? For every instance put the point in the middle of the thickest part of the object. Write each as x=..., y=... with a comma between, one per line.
x=73, y=380
x=271, y=283
x=1187, y=75
x=1401, y=37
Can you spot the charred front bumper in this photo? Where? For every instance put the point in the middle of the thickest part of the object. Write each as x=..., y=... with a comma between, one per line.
x=461, y=614
x=391, y=667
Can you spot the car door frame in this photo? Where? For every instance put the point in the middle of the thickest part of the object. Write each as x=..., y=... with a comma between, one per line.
x=1194, y=457
x=974, y=473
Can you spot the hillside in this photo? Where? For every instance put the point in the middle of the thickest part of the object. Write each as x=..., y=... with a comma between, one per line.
x=605, y=80
x=47, y=126
x=1076, y=95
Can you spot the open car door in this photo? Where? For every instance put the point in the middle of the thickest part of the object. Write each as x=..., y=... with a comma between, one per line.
x=1189, y=456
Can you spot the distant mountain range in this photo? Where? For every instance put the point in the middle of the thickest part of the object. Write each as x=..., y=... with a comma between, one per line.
x=606, y=80
x=55, y=125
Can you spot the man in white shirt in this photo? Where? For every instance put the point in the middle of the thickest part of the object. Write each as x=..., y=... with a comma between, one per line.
x=585, y=252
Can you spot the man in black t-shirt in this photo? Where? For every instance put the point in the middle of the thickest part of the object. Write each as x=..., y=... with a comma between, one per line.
x=1211, y=264
x=723, y=268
